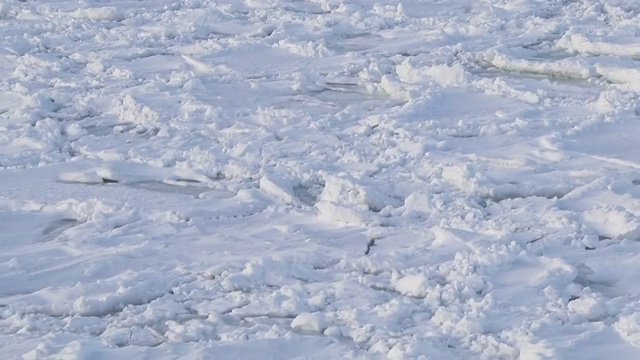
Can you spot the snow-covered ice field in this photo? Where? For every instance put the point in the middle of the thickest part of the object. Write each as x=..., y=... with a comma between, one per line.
x=320, y=179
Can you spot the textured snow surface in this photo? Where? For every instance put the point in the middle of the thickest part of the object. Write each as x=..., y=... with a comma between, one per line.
x=319, y=179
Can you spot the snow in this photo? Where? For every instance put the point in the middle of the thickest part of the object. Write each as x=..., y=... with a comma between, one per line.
x=589, y=308
x=310, y=322
x=278, y=187
x=319, y=179
x=98, y=14
x=413, y=285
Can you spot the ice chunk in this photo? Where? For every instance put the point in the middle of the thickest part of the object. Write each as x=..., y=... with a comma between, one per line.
x=588, y=307
x=99, y=14
x=310, y=322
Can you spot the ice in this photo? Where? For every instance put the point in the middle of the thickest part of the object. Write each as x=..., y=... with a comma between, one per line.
x=443, y=75
x=413, y=285
x=309, y=322
x=278, y=187
x=567, y=68
x=608, y=46
x=319, y=179
x=590, y=308
x=98, y=14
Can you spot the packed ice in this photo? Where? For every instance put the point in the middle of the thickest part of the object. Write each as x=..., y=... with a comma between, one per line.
x=319, y=179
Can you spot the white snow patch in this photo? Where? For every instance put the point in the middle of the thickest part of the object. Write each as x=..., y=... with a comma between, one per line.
x=99, y=14
x=618, y=46
x=589, y=307
x=310, y=322
x=278, y=187
x=628, y=326
x=568, y=68
x=343, y=214
x=620, y=75
x=347, y=191
x=419, y=203
x=392, y=87
x=614, y=222
x=413, y=285
x=443, y=74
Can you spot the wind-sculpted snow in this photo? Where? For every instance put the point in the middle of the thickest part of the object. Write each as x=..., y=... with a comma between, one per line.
x=319, y=179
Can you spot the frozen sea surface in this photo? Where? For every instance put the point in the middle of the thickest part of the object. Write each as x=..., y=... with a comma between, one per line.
x=319, y=179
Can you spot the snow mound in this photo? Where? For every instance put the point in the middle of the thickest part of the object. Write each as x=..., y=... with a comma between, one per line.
x=310, y=322
x=413, y=285
x=443, y=74
x=588, y=307
x=99, y=14
x=567, y=68
x=628, y=326
x=614, y=222
x=618, y=46
x=278, y=187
